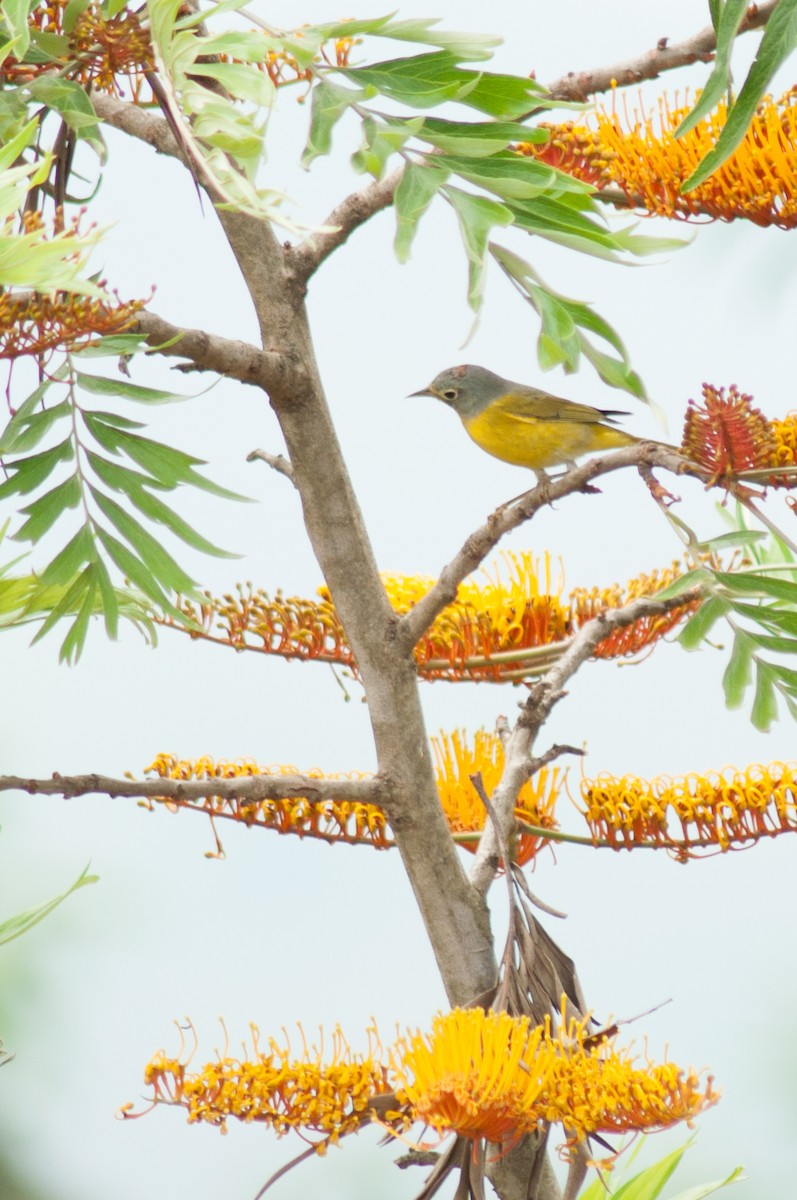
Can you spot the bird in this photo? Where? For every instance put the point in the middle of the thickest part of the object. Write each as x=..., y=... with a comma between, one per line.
x=524, y=425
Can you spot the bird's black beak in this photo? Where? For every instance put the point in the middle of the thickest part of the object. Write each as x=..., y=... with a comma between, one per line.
x=423, y=392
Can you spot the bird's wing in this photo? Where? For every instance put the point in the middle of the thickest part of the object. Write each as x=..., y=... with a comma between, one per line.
x=530, y=404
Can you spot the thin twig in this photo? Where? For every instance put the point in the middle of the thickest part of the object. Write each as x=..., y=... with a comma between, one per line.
x=507, y=517
x=277, y=461
x=700, y=47
x=347, y=216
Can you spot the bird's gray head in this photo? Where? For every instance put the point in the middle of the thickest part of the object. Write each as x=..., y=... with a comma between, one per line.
x=467, y=389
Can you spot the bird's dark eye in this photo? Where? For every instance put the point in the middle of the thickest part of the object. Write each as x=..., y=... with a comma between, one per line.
x=450, y=394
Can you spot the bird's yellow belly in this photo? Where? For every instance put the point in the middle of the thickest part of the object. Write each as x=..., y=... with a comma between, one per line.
x=540, y=443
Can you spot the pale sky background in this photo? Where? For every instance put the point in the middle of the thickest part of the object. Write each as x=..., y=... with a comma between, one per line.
x=282, y=930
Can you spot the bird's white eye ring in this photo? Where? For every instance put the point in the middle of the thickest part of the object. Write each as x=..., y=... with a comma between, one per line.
x=450, y=394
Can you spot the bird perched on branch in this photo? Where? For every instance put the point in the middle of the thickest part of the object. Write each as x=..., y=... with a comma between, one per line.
x=524, y=425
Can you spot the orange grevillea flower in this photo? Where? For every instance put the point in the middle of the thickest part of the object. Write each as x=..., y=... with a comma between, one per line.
x=32, y=323
x=328, y=820
x=721, y=810
x=457, y=759
x=639, y=153
x=726, y=434
x=489, y=1075
x=273, y=1087
x=480, y=1074
x=501, y=627
x=358, y=823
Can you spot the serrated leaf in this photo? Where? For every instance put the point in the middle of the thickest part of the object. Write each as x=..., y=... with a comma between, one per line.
x=19, y=419
x=765, y=703
x=30, y=472
x=71, y=598
x=15, y=926
x=108, y=600
x=328, y=104
x=43, y=513
x=738, y=673
x=72, y=645
x=417, y=188
x=163, y=567
x=697, y=627
x=67, y=562
x=156, y=510
x=99, y=385
x=37, y=424
x=477, y=216
x=777, y=43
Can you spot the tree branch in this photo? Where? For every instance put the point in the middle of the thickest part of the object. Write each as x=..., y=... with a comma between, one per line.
x=352, y=212
x=578, y=85
x=209, y=352
x=254, y=787
x=138, y=122
x=509, y=516
x=536, y=709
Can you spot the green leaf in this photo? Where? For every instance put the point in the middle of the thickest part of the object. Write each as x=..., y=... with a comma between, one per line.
x=511, y=176
x=43, y=513
x=650, y=1183
x=14, y=927
x=134, y=570
x=156, y=510
x=477, y=216
x=729, y=17
x=768, y=616
x=473, y=139
x=38, y=424
x=329, y=102
x=165, y=463
x=778, y=645
x=15, y=18
x=708, y=1189
x=108, y=600
x=738, y=672
x=697, y=627
x=67, y=562
x=163, y=567
x=765, y=704
x=780, y=38
x=72, y=645
x=755, y=583
x=417, y=188
x=425, y=80
x=32, y=471
x=69, y=601
x=121, y=345
x=19, y=420
x=121, y=479
x=67, y=98
x=99, y=385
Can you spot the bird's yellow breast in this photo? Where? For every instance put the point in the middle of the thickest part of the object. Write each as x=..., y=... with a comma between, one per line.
x=539, y=442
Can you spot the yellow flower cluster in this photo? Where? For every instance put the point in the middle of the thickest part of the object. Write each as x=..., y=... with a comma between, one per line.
x=486, y=1074
x=640, y=154
x=328, y=820
x=456, y=760
x=719, y=810
x=504, y=628
x=480, y=1074
x=276, y=1089
x=359, y=823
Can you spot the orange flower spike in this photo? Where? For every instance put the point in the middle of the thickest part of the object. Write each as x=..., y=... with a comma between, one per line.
x=727, y=435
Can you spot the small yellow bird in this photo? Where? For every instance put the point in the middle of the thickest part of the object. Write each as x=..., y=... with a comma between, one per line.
x=523, y=425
